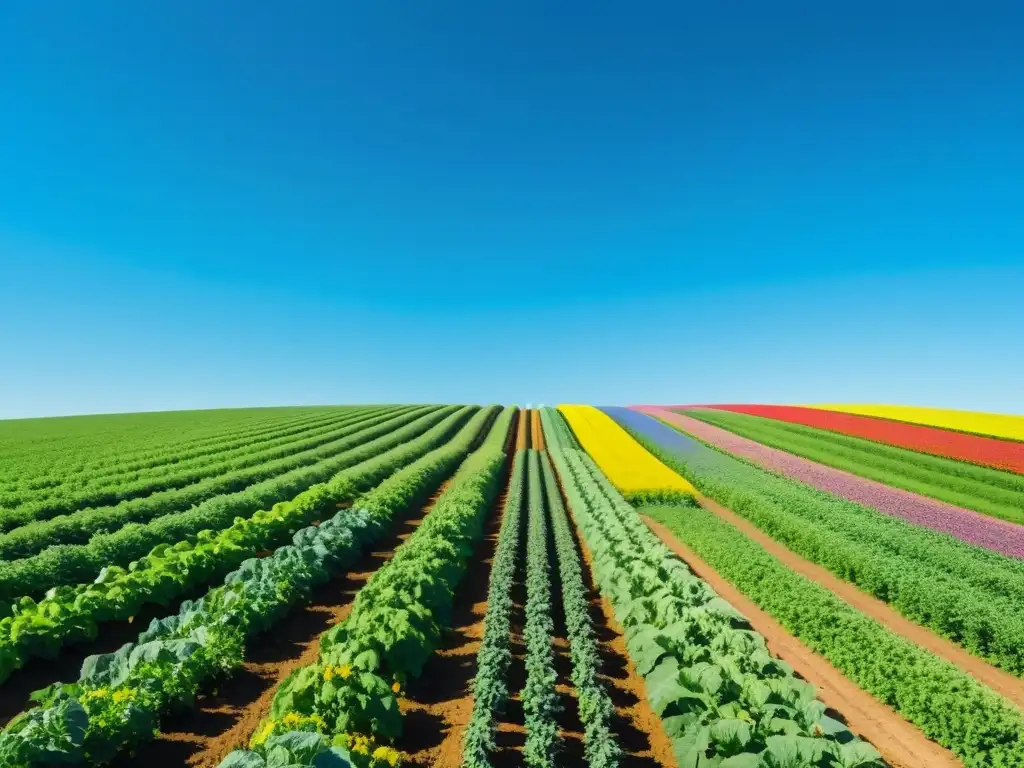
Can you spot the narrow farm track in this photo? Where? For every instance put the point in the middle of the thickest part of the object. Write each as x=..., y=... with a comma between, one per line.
x=226, y=718
x=901, y=744
x=1003, y=683
x=438, y=704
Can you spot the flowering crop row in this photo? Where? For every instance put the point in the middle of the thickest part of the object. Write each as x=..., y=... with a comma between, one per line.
x=206, y=478
x=1001, y=425
x=73, y=564
x=72, y=613
x=975, y=449
x=637, y=474
x=998, y=535
x=348, y=697
x=119, y=697
x=723, y=699
x=992, y=491
x=971, y=596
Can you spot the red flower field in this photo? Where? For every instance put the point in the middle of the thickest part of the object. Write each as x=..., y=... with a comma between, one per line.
x=986, y=451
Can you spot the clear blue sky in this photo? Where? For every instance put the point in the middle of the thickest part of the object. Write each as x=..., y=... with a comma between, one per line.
x=230, y=203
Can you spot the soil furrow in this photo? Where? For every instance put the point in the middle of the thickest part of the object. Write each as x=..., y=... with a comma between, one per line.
x=901, y=744
x=225, y=717
x=437, y=705
x=1003, y=683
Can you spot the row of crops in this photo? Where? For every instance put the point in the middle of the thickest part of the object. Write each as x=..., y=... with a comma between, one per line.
x=576, y=557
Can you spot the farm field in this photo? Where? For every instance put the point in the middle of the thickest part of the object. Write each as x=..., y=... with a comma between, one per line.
x=473, y=586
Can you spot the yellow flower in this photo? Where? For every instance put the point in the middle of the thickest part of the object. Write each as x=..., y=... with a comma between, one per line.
x=318, y=722
x=98, y=693
x=125, y=694
x=1005, y=426
x=625, y=462
x=292, y=718
x=328, y=672
x=396, y=687
x=388, y=755
x=264, y=734
x=344, y=671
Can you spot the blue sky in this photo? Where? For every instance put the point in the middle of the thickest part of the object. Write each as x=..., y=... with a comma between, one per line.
x=214, y=204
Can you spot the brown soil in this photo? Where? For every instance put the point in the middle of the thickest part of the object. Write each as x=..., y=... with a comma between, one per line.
x=225, y=719
x=900, y=743
x=522, y=434
x=538, y=433
x=437, y=705
x=1001, y=682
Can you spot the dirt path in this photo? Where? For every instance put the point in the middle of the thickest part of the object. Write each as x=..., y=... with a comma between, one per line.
x=226, y=717
x=999, y=681
x=901, y=743
x=437, y=706
x=522, y=434
x=537, y=431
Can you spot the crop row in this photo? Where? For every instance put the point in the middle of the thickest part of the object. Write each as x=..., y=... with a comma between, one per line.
x=947, y=704
x=125, y=464
x=490, y=687
x=212, y=476
x=976, y=449
x=595, y=705
x=104, y=447
x=541, y=705
x=630, y=468
x=723, y=699
x=1006, y=426
x=972, y=527
x=72, y=613
x=119, y=697
x=968, y=595
x=78, y=527
x=1000, y=494
x=97, y=489
x=72, y=564
x=349, y=696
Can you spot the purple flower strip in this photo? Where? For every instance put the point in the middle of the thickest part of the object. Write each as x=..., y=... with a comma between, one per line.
x=970, y=526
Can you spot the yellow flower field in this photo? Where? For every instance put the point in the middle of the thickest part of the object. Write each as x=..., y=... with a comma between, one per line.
x=628, y=465
x=994, y=424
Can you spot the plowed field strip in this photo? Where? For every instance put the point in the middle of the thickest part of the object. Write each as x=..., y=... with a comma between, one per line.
x=225, y=718
x=901, y=743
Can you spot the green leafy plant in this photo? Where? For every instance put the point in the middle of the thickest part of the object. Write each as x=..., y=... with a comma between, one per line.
x=68, y=614
x=541, y=705
x=77, y=563
x=723, y=698
x=490, y=688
